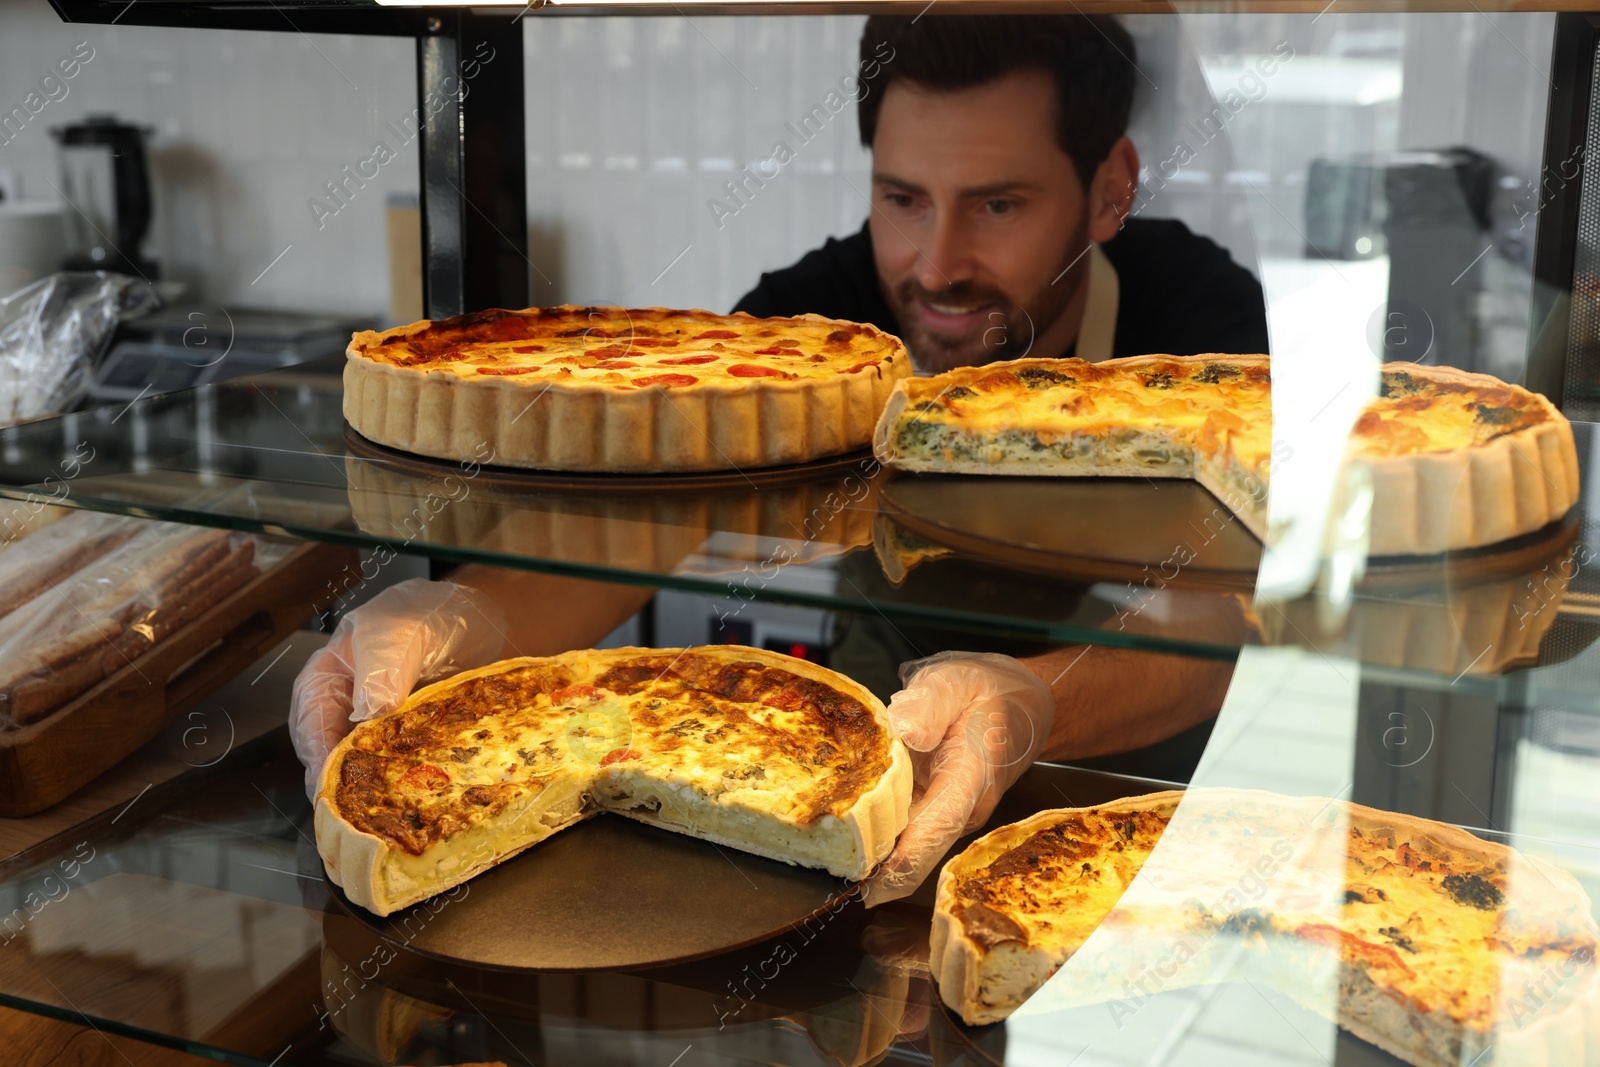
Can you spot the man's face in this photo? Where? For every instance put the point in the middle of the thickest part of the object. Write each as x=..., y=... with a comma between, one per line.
x=979, y=220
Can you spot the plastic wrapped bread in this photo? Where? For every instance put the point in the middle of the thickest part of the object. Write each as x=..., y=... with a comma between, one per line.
x=102, y=617
x=38, y=562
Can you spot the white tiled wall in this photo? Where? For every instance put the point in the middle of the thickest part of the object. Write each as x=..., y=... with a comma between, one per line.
x=635, y=124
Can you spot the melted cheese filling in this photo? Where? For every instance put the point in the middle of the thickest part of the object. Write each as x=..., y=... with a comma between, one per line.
x=736, y=765
x=611, y=352
x=1164, y=420
x=1438, y=421
x=1151, y=421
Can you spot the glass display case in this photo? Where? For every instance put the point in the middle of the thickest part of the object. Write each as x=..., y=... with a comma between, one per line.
x=1461, y=688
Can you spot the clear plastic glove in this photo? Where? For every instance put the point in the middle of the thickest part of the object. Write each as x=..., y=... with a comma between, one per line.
x=973, y=722
x=413, y=632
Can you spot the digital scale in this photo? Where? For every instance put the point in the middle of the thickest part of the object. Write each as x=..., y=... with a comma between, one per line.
x=188, y=345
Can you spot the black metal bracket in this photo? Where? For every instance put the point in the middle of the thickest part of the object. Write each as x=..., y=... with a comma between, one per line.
x=1558, y=200
x=281, y=16
x=473, y=163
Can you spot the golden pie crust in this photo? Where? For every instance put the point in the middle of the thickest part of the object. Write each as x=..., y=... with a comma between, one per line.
x=1456, y=460
x=594, y=389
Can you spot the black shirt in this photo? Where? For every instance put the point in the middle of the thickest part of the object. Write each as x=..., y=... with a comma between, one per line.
x=1180, y=293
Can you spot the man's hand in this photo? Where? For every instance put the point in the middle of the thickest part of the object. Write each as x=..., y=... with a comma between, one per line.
x=973, y=722
x=415, y=631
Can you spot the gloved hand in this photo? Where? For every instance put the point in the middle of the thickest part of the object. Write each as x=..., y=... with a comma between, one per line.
x=973, y=722
x=413, y=632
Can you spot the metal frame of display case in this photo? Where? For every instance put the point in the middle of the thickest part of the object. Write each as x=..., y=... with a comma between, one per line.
x=399, y=17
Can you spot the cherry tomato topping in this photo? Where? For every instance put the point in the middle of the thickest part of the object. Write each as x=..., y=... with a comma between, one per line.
x=785, y=699
x=425, y=776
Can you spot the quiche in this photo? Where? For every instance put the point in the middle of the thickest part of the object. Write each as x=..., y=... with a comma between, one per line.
x=1457, y=460
x=1416, y=936
x=602, y=389
x=740, y=746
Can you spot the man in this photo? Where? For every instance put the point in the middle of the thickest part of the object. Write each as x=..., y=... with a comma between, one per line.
x=1001, y=184
x=1002, y=181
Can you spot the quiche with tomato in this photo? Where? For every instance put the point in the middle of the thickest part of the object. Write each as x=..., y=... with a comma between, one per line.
x=1456, y=460
x=602, y=389
x=740, y=746
x=1437, y=946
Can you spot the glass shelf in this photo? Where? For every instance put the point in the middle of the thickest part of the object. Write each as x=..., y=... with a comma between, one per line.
x=273, y=454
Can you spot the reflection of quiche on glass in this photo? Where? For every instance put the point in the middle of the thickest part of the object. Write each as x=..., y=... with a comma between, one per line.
x=1457, y=460
x=740, y=746
x=599, y=389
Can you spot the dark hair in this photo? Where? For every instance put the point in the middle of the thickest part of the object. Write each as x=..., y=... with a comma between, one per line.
x=1090, y=56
